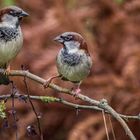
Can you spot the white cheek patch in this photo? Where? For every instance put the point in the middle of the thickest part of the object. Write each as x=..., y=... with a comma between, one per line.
x=73, y=50
x=8, y=20
x=72, y=45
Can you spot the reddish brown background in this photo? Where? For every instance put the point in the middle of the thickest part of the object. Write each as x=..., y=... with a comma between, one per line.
x=112, y=32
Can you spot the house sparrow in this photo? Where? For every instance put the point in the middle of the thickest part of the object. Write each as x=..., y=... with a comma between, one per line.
x=11, y=39
x=73, y=60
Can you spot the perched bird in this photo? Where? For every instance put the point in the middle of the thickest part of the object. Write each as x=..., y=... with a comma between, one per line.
x=11, y=38
x=73, y=60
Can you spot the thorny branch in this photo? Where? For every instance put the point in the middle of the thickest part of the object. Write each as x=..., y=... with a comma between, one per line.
x=94, y=104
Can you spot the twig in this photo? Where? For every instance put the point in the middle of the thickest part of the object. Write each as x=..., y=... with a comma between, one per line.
x=112, y=129
x=48, y=99
x=28, y=96
x=101, y=104
x=106, y=129
x=13, y=109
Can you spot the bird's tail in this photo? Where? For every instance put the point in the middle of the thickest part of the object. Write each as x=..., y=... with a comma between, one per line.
x=4, y=80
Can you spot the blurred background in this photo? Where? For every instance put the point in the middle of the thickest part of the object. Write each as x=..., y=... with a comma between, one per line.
x=112, y=31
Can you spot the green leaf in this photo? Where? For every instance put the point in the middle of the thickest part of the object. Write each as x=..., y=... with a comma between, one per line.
x=2, y=110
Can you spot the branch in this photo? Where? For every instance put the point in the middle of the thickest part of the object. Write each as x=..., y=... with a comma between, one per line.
x=13, y=92
x=103, y=105
x=33, y=108
x=48, y=99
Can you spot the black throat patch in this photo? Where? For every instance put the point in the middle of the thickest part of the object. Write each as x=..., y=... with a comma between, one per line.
x=71, y=59
x=7, y=34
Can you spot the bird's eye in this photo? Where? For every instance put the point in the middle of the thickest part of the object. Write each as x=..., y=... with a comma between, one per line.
x=14, y=13
x=11, y=12
x=67, y=38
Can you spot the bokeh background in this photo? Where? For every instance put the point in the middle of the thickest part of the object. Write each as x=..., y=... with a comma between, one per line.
x=112, y=31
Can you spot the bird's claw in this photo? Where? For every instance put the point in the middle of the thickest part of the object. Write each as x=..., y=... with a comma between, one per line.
x=76, y=92
x=46, y=84
x=7, y=71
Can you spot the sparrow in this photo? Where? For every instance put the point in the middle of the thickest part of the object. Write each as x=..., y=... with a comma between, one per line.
x=73, y=60
x=11, y=38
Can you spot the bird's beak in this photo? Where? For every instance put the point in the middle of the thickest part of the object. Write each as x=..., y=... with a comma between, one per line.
x=58, y=39
x=24, y=14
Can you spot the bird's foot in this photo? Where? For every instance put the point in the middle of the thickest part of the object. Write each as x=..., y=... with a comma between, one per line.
x=4, y=76
x=46, y=84
x=7, y=71
x=76, y=92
